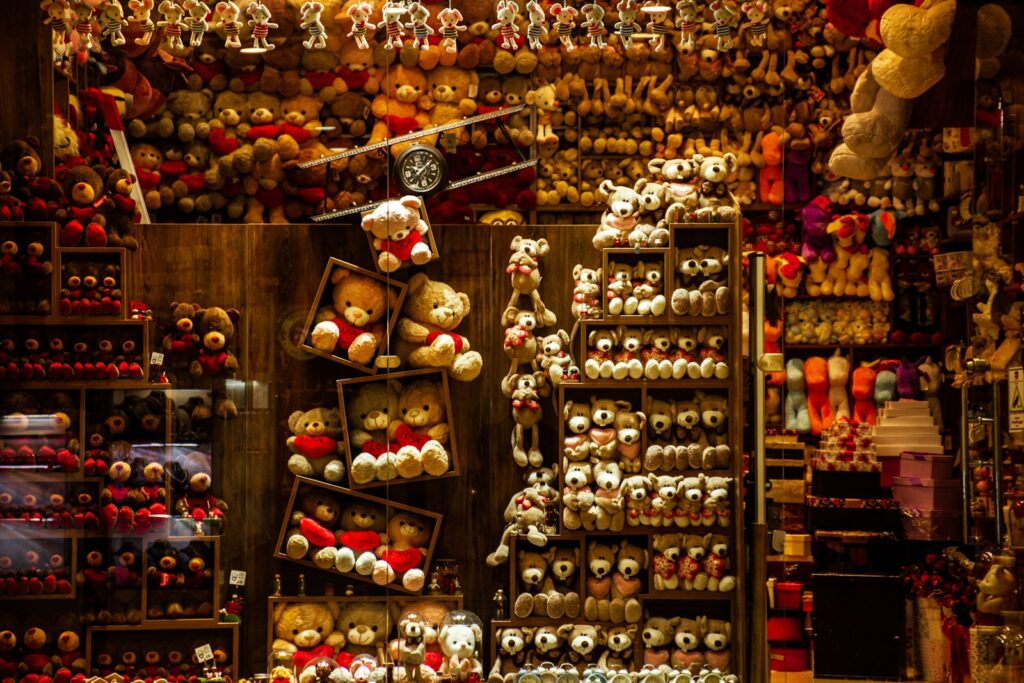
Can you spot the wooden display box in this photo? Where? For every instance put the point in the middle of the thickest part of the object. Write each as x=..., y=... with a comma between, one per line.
x=343, y=496
x=323, y=298
x=428, y=239
x=118, y=599
x=613, y=258
x=517, y=586
x=26, y=551
x=37, y=426
x=181, y=636
x=205, y=593
x=349, y=387
x=94, y=260
x=15, y=291
x=48, y=494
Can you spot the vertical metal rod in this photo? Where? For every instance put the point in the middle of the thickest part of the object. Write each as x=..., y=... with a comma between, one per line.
x=759, y=530
x=965, y=456
x=997, y=457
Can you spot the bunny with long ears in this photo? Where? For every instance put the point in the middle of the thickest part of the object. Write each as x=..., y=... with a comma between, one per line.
x=688, y=22
x=725, y=23
x=536, y=27
x=626, y=26
x=565, y=22
x=506, y=25
x=420, y=30
x=142, y=11
x=259, y=19
x=360, y=14
x=172, y=23
x=197, y=24
x=311, y=24
x=656, y=26
x=392, y=14
x=755, y=28
x=228, y=12
x=451, y=27
x=594, y=24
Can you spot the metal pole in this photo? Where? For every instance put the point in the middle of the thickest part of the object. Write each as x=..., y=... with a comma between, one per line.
x=759, y=531
x=965, y=456
x=997, y=457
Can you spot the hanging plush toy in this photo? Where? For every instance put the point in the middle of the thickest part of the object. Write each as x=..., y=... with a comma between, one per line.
x=360, y=14
x=725, y=23
x=755, y=28
x=420, y=31
x=83, y=24
x=229, y=21
x=594, y=24
x=112, y=18
x=311, y=23
x=626, y=26
x=506, y=24
x=172, y=24
x=142, y=11
x=259, y=19
x=392, y=14
x=451, y=27
x=59, y=20
x=197, y=25
x=564, y=24
x=656, y=26
x=687, y=22
x=536, y=28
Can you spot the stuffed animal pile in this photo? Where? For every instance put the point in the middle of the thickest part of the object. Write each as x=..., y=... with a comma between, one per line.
x=72, y=353
x=48, y=442
x=698, y=645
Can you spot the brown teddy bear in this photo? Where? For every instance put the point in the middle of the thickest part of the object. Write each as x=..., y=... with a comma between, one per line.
x=404, y=555
x=360, y=534
x=191, y=110
x=351, y=327
x=315, y=444
x=399, y=233
x=453, y=91
x=423, y=437
x=307, y=630
x=80, y=221
x=216, y=328
x=372, y=415
x=264, y=189
x=366, y=626
x=148, y=159
x=431, y=313
x=119, y=209
x=600, y=563
x=627, y=584
x=406, y=108
x=228, y=131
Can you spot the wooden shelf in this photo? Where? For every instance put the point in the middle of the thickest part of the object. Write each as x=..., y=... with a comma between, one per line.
x=206, y=622
x=692, y=596
x=170, y=625
x=649, y=383
x=802, y=559
x=668, y=318
x=79, y=320
x=101, y=384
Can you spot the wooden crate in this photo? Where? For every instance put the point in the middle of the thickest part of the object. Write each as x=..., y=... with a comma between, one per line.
x=398, y=288
x=21, y=234
x=342, y=494
x=93, y=255
x=182, y=635
x=428, y=239
x=12, y=545
x=213, y=592
x=439, y=376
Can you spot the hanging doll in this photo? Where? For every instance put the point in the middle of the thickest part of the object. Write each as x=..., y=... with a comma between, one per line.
x=536, y=28
x=594, y=24
x=451, y=27
x=688, y=22
x=506, y=24
x=197, y=25
x=172, y=24
x=313, y=26
x=229, y=21
x=656, y=26
x=112, y=18
x=725, y=22
x=392, y=14
x=260, y=21
x=564, y=24
x=83, y=24
x=420, y=30
x=626, y=26
x=142, y=11
x=360, y=14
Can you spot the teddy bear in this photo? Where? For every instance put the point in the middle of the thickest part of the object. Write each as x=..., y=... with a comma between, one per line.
x=215, y=328
x=227, y=137
x=399, y=233
x=352, y=326
x=664, y=561
x=315, y=444
x=432, y=311
x=119, y=211
x=80, y=220
x=430, y=615
x=373, y=420
x=460, y=642
x=626, y=583
x=611, y=513
x=579, y=503
x=620, y=218
x=264, y=190
x=401, y=557
x=687, y=637
x=452, y=91
x=527, y=414
x=425, y=432
x=404, y=110
x=510, y=653
x=360, y=534
x=600, y=562
x=657, y=636
x=365, y=626
x=690, y=568
x=307, y=630
x=525, y=514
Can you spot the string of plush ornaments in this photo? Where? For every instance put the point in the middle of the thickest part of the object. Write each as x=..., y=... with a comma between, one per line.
x=65, y=16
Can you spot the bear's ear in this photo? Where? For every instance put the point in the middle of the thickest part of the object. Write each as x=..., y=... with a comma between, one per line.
x=730, y=161
x=564, y=336
x=234, y=315
x=416, y=282
x=606, y=188
x=411, y=202
x=564, y=630
x=464, y=298
x=567, y=410
x=542, y=247
x=516, y=241
x=339, y=274
x=478, y=632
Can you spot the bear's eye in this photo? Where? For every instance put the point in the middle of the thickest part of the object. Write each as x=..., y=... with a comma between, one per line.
x=373, y=628
x=295, y=632
x=369, y=311
x=319, y=629
x=404, y=411
x=351, y=624
x=363, y=416
x=347, y=304
x=426, y=407
x=435, y=305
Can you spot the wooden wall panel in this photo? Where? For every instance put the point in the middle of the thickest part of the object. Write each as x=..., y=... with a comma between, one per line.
x=26, y=79
x=270, y=273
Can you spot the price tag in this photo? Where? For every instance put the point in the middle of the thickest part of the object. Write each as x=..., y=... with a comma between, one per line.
x=1016, y=398
x=237, y=577
x=156, y=358
x=204, y=653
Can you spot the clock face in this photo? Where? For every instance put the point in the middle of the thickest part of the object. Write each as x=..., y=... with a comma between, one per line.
x=421, y=170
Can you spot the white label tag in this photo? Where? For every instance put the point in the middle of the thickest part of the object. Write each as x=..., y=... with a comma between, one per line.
x=204, y=653
x=156, y=358
x=237, y=577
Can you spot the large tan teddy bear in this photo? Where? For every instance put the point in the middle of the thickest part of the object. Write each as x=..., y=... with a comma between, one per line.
x=453, y=91
x=372, y=414
x=352, y=326
x=913, y=61
x=425, y=433
x=315, y=444
x=306, y=629
x=430, y=315
x=366, y=627
x=403, y=109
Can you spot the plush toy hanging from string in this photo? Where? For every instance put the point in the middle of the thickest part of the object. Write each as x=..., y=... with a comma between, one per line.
x=420, y=31
x=725, y=23
x=197, y=24
x=656, y=26
x=142, y=11
x=565, y=16
x=360, y=14
x=506, y=12
x=83, y=24
x=755, y=29
x=451, y=27
x=688, y=22
x=172, y=24
x=59, y=20
x=112, y=19
x=259, y=19
x=228, y=12
x=536, y=28
x=626, y=26
x=312, y=24
x=594, y=24
x=392, y=14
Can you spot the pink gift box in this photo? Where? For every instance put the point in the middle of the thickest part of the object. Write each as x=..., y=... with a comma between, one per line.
x=926, y=465
x=927, y=494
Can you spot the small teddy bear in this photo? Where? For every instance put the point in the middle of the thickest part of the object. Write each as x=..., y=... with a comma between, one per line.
x=399, y=233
